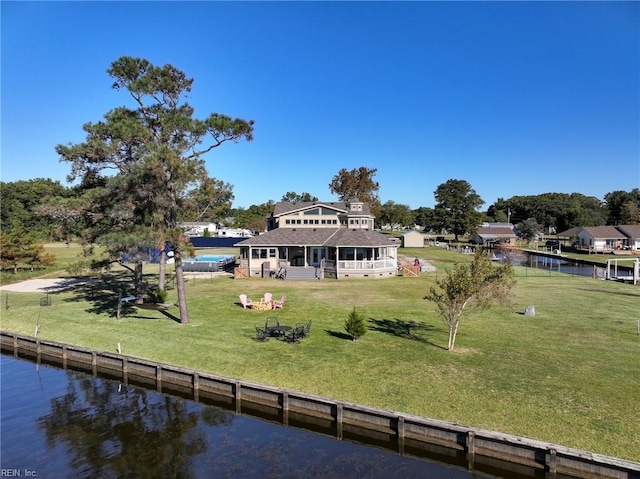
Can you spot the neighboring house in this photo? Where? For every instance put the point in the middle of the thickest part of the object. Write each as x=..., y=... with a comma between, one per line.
x=412, y=239
x=494, y=234
x=600, y=239
x=198, y=228
x=632, y=233
x=310, y=240
x=234, y=233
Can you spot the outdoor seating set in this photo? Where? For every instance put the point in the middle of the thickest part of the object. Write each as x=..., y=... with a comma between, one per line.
x=273, y=329
x=266, y=303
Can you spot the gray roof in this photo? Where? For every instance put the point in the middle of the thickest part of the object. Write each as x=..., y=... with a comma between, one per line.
x=631, y=231
x=604, y=232
x=496, y=232
x=319, y=237
x=570, y=232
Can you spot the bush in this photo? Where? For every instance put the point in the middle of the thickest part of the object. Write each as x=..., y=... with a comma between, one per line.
x=156, y=296
x=355, y=325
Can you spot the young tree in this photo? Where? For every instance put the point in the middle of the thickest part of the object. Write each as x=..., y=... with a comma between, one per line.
x=478, y=284
x=456, y=207
x=357, y=184
x=354, y=325
x=156, y=151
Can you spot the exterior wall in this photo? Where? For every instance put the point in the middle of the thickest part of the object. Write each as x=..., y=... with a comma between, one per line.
x=413, y=239
x=197, y=229
x=317, y=217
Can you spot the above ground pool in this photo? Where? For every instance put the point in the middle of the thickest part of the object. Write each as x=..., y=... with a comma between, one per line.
x=209, y=263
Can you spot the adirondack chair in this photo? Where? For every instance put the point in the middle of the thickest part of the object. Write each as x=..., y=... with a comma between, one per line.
x=245, y=301
x=267, y=297
x=279, y=304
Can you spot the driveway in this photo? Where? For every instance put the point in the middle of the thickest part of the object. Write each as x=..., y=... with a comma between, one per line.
x=52, y=285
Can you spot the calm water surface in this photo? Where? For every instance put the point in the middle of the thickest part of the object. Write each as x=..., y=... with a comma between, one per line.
x=64, y=424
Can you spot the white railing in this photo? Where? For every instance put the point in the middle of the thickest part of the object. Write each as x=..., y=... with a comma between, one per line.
x=378, y=264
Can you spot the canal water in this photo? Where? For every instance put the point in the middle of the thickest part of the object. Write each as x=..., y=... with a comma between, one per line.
x=58, y=423
x=544, y=264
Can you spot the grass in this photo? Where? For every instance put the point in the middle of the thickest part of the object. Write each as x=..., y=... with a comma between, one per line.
x=568, y=375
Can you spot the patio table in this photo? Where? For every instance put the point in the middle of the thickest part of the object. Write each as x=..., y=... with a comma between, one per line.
x=279, y=330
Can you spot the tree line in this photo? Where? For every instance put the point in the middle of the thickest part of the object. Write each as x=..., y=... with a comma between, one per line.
x=50, y=211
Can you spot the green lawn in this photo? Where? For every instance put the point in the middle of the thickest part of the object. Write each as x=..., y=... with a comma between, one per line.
x=568, y=375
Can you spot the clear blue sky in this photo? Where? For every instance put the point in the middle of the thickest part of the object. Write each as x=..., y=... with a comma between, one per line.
x=517, y=98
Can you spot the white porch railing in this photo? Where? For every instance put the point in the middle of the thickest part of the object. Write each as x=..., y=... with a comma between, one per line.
x=378, y=264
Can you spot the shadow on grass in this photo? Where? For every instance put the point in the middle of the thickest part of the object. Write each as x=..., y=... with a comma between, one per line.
x=631, y=292
x=103, y=295
x=338, y=334
x=403, y=329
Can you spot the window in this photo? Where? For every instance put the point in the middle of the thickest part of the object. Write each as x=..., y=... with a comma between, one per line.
x=261, y=253
x=314, y=211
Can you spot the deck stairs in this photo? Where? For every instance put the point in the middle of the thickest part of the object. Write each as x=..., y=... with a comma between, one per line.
x=302, y=273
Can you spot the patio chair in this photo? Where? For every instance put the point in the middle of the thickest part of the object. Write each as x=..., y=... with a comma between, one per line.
x=304, y=329
x=271, y=323
x=279, y=304
x=295, y=335
x=261, y=334
x=307, y=329
x=245, y=301
x=267, y=298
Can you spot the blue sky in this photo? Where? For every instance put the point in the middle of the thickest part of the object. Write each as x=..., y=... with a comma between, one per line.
x=517, y=98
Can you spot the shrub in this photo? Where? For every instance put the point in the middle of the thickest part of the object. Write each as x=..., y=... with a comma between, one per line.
x=355, y=325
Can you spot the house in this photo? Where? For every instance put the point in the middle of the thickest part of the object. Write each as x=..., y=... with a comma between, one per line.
x=632, y=232
x=315, y=240
x=493, y=234
x=600, y=239
x=198, y=228
x=412, y=239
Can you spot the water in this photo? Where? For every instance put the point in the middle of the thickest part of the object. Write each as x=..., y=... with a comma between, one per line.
x=556, y=265
x=59, y=423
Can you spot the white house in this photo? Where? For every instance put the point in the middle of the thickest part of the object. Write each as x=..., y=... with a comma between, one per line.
x=315, y=240
x=198, y=228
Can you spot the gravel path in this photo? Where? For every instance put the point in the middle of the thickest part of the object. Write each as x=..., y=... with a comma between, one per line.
x=44, y=285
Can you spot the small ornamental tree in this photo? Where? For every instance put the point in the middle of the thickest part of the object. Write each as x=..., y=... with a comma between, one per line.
x=354, y=325
x=478, y=285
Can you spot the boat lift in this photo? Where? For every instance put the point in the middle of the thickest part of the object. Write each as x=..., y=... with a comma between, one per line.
x=635, y=279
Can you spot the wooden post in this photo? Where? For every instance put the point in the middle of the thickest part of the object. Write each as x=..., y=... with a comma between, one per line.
x=285, y=408
x=64, y=356
x=552, y=462
x=119, y=304
x=401, y=435
x=471, y=446
x=196, y=387
x=339, y=410
x=125, y=370
x=238, y=389
x=159, y=378
x=94, y=363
